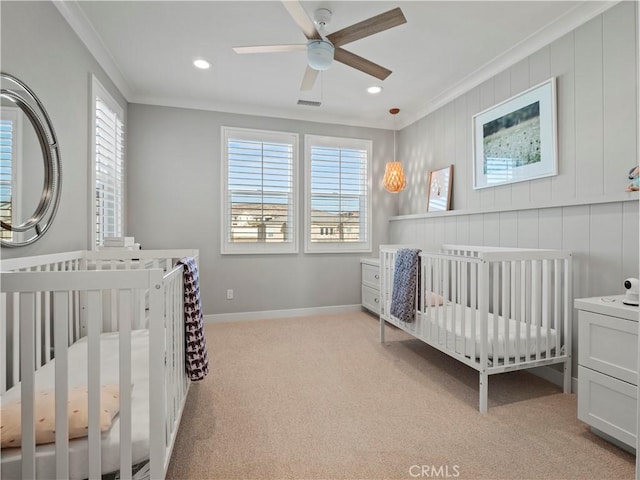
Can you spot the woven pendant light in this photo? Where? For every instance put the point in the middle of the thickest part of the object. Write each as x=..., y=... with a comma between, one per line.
x=394, y=180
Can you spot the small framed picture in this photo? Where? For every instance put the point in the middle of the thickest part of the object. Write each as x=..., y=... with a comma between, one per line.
x=439, y=193
x=515, y=140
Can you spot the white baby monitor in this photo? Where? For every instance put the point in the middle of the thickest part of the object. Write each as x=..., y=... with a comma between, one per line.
x=633, y=290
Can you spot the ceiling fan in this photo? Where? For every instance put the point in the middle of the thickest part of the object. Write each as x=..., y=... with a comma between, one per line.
x=323, y=48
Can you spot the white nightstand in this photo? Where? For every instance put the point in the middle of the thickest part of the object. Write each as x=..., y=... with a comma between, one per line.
x=608, y=368
x=371, y=284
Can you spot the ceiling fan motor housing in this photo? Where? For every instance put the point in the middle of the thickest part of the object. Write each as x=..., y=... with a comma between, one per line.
x=320, y=54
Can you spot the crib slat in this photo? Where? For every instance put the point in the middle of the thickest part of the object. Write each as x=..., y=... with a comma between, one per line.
x=4, y=354
x=474, y=308
x=425, y=310
x=568, y=295
x=38, y=318
x=47, y=323
x=546, y=286
x=506, y=303
x=27, y=379
x=455, y=294
x=15, y=361
x=483, y=311
x=463, y=320
x=536, y=297
x=447, y=294
x=440, y=291
x=496, y=310
x=61, y=311
x=526, y=315
x=157, y=410
x=94, y=316
x=517, y=308
x=125, y=312
x=556, y=303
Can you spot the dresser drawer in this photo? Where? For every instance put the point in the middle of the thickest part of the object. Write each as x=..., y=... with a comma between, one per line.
x=609, y=345
x=371, y=299
x=371, y=276
x=608, y=404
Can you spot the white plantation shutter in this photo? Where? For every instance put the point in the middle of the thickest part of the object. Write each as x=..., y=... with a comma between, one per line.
x=259, y=191
x=108, y=167
x=338, y=194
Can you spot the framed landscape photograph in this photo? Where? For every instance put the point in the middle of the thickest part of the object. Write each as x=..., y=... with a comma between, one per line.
x=515, y=140
x=439, y=193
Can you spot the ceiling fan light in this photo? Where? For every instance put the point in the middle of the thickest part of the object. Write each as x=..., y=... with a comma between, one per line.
x=320, y=54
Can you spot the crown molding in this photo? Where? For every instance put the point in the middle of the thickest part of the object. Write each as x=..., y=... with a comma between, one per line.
x=83, y=28
x=571, y=20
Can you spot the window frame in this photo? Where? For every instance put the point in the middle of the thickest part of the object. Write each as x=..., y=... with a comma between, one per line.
x=365, y=246
x=98, y=91
x=257, y=248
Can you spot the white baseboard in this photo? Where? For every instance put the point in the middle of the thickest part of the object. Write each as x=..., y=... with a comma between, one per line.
x=293, y=312
x=554, y=376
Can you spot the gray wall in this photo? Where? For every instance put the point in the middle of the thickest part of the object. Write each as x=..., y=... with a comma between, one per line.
x=596, y=69
x=173, y=174
x=39, y=48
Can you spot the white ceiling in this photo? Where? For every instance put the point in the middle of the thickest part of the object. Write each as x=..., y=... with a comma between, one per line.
x=444, y=49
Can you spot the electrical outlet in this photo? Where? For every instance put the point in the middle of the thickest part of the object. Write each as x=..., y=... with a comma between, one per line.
x=230, y=294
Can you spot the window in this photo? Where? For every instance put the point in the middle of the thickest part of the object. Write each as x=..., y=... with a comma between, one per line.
x=10, y=131
x=338, y=192
x=259, y=191
x=108, y=166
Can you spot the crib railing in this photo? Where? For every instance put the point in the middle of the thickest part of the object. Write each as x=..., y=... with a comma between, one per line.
x=494, y=309
x=26, y=286
x=51, y=301
x=522, y=295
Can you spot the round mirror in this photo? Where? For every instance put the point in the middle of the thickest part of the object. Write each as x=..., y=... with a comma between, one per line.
x=30, y=170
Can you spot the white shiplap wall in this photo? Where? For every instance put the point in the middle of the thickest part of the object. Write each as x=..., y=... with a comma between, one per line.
x=584, y=208
x=596, y=71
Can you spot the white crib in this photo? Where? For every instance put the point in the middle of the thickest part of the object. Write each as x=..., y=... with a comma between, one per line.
x=498, y=309
x=87, y=319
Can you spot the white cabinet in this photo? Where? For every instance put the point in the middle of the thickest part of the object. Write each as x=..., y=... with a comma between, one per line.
x=608, y=367
x=371, y=284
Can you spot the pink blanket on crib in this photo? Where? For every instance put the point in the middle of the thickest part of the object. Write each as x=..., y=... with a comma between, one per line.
x=197, y=361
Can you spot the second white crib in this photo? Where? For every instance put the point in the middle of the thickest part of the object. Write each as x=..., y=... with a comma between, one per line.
x=494, y=309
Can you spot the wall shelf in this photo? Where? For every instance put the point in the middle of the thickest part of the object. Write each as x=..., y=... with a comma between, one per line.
x=619, y=197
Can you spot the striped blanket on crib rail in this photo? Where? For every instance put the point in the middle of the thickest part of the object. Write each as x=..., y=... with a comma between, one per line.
x=405, y=278
x=197, y=361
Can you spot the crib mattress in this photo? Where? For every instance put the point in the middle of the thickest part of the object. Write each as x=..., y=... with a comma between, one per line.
x=496, y=347
x=78, y=448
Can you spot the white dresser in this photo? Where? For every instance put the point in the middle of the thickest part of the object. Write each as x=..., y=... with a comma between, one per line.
x=371, y=284
x=608, y=367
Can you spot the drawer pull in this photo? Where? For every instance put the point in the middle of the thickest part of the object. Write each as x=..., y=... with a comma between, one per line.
x=376, y=300
x=377, y=277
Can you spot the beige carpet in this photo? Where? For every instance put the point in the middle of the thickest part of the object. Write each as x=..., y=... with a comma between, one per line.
x=320, y=398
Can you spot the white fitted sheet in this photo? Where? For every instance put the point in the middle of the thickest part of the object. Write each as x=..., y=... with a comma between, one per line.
x=78, y=448
x=494, y=348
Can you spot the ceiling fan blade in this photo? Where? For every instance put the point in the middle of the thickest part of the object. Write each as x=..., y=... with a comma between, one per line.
x=299, y=15
x=362, y=64
x=271, y=48
x=376, y=24
x=309, y=78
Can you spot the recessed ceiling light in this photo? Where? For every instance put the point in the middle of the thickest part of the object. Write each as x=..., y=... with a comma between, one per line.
x=374, y=89
x=202, y=64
